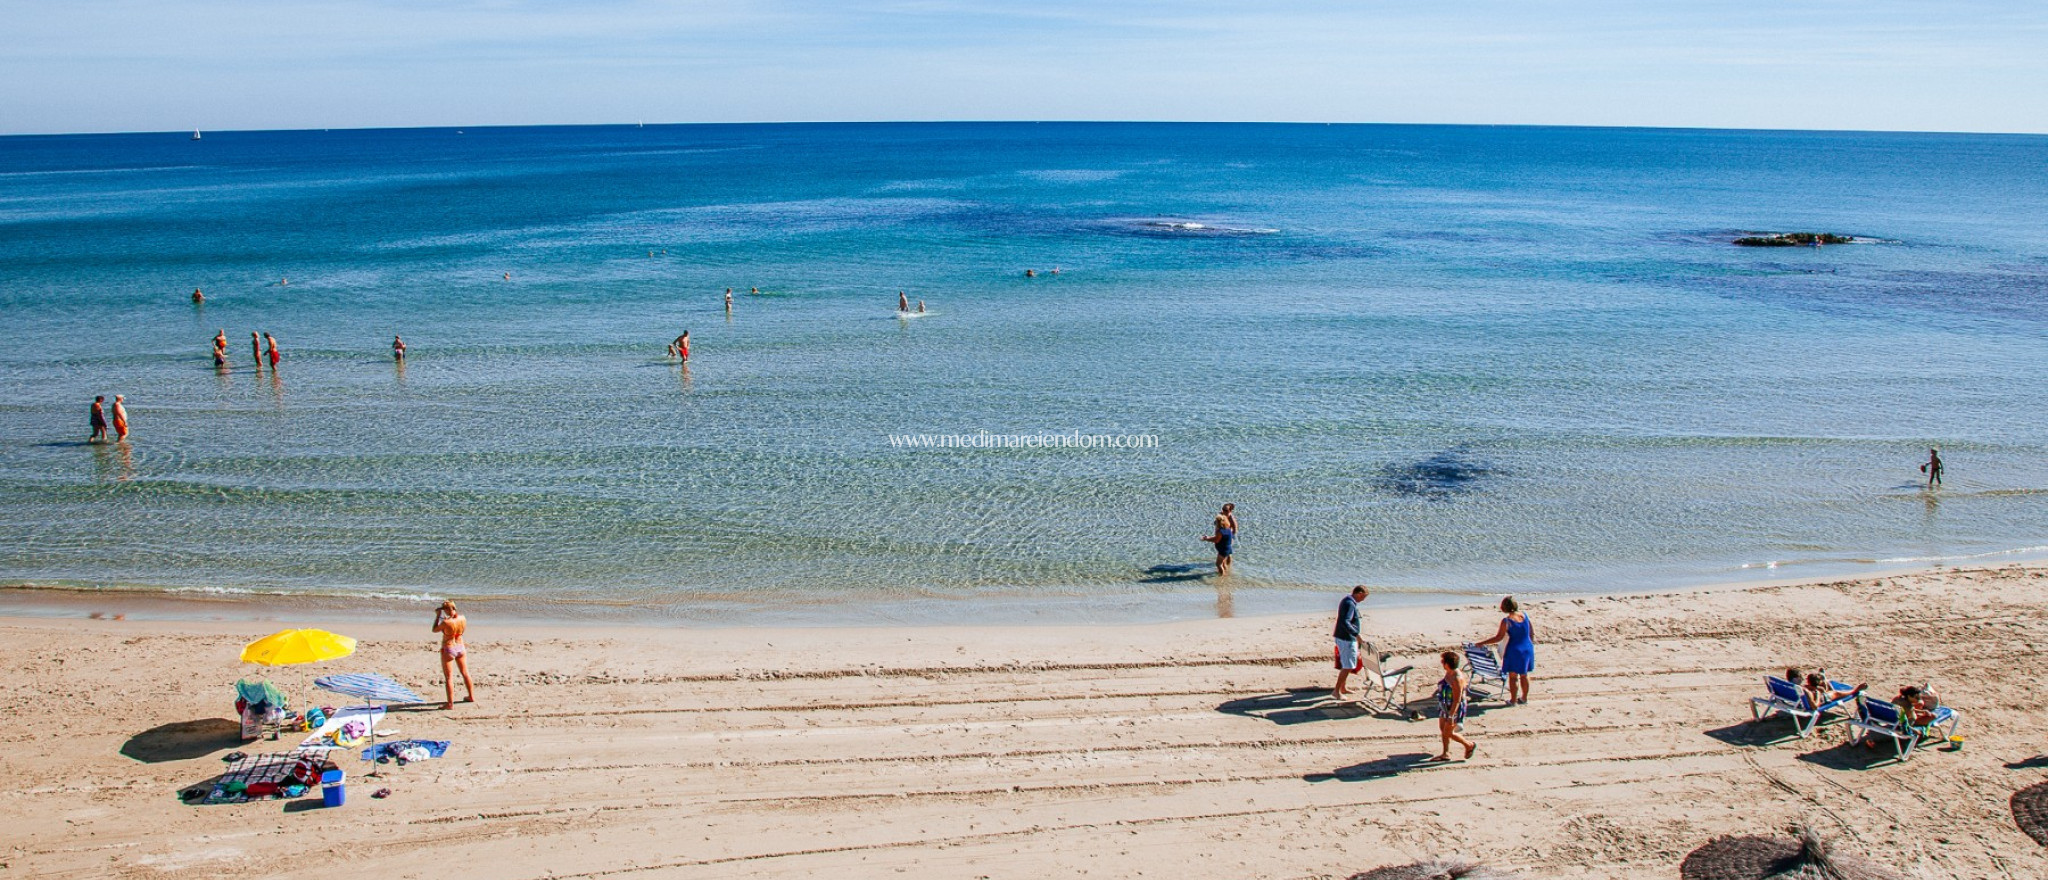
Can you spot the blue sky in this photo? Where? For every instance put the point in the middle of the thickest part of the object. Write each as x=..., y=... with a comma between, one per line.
x=149, y=65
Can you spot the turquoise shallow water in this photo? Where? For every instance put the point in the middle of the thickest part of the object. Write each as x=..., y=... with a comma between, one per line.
x=1435, y=359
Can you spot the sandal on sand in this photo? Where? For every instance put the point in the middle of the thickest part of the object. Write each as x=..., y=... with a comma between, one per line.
x=381, y=793
x=1469, y=750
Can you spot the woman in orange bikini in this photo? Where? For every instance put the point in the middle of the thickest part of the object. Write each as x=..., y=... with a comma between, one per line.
x=451, y=625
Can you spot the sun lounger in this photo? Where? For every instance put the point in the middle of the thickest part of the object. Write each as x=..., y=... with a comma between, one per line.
x=1788, y=700
x=1881, y=718
x=1484, y=667
x=1380, y=683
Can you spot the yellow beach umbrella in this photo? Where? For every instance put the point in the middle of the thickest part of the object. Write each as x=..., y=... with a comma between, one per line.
x=294, y=646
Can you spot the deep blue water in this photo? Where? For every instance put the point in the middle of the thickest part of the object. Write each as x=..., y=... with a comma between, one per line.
x=1434, y=359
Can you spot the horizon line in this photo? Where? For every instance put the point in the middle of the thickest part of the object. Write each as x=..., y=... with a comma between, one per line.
x=879, y=122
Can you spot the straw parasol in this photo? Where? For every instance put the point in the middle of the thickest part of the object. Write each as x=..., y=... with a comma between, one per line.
x=2030, y=811
x=1807, y=857
x=1435, y=869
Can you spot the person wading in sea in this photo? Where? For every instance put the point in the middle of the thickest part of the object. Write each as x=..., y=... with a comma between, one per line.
x=1932, y=469
x=99, y=419
x=1224, y=537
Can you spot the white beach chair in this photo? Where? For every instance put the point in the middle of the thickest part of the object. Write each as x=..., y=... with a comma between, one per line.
x=1380, y=684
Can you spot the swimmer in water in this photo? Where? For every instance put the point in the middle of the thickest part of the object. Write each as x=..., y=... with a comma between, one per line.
x=256, y=349
x=1055, y=270
x=508, y=276
x=1932, y=469
x=99, y=420
x=273, y=351
x=220, y=348
x=728, y=299
x=1031, y=273
x=753, y=291
x=120, y=418
x=920, y=307
x=198, y=296
x=683, y=346
x=284, y=282
x=902, y=301
x=397, y=348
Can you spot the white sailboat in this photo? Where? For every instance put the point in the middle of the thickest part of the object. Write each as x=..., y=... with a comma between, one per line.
x=195, y=134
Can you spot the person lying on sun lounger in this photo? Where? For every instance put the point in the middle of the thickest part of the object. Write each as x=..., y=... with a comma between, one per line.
x=1820, y=691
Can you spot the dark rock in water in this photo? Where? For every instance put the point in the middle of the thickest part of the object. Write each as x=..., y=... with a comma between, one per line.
x=1447, y=473
x=1794, y=239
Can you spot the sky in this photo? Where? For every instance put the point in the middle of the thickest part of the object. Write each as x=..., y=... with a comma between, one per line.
x=150, y=65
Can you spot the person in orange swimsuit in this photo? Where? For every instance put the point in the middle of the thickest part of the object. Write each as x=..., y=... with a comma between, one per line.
x=120, y=419
x=454, y=654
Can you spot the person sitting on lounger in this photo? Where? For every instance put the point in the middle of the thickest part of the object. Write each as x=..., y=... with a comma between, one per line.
x=1916, y=707
x=1820, y=691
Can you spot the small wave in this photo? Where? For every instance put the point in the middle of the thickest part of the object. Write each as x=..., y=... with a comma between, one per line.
x=1936, y=559
x=1179, y=227
x=226, y=592
x=1073, y=175
x=1994, y=554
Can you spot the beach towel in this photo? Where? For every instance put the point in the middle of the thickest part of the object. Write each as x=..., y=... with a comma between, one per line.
x=363, y=717
x=406, y=750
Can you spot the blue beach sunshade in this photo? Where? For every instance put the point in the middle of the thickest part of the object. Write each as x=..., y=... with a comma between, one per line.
x=368, y=686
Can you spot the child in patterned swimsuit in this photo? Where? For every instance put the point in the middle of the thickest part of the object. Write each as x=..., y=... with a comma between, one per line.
x=1450, y=705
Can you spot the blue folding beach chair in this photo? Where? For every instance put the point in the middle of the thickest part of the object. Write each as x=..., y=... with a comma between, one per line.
x=1483, y=667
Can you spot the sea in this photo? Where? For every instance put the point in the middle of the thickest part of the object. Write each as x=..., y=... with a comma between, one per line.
x=1447, y=362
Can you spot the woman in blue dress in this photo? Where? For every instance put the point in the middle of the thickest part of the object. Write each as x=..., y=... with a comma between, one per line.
x=1518, y=657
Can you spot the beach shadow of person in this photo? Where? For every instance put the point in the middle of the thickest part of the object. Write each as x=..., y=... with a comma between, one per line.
x=2032, y=763
x=1175, y=574
x=303, y=804
x=183, y=740
x=1391, y=765
x=1768, y=732
x=1294, y=706
x=1850, y=756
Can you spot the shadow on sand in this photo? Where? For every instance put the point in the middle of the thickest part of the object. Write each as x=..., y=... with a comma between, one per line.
x=1391, y=765
x=1295, y=706
x=1768, y=732
x=1850, y=756
x=183, y=740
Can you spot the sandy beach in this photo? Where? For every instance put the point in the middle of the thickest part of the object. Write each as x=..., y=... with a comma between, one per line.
x=1200, y=749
